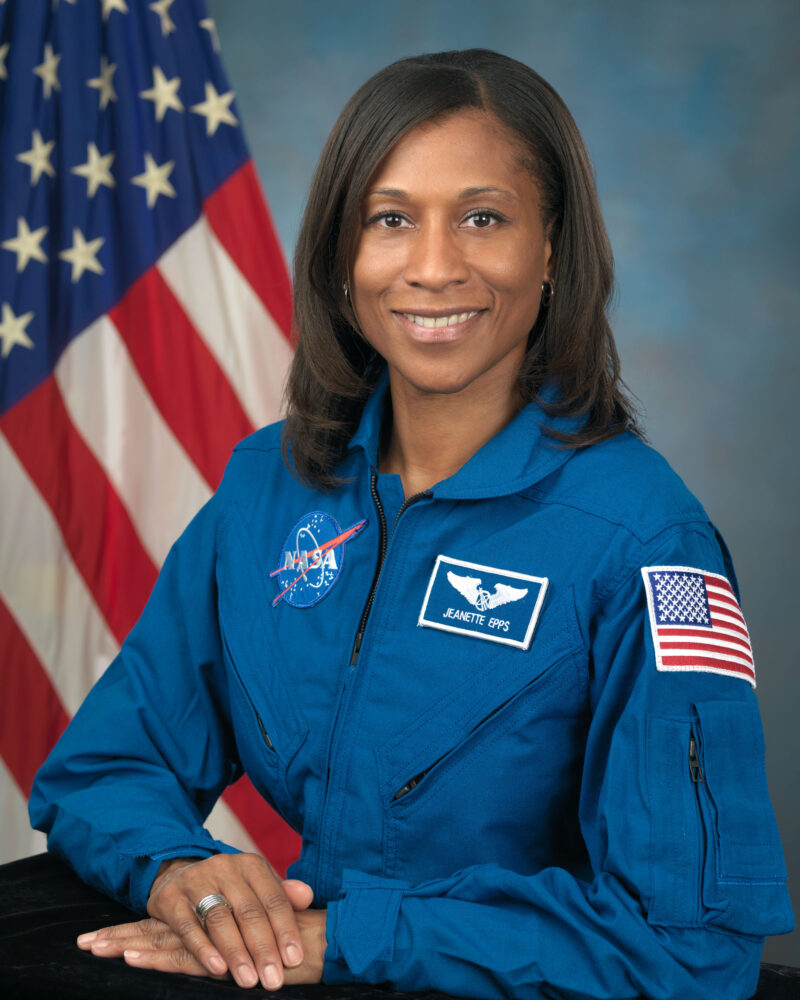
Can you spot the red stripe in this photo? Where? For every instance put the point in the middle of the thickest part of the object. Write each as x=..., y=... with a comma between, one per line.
x=97, y=529
x=704, y=648
x=697, y=633
x=181, y=374
x=667, y=630
x=722, y=608
x=702, y=661
x=725, y=600
x=713, y=581
x=31, y=714
x=241, y=220
x=276, y=840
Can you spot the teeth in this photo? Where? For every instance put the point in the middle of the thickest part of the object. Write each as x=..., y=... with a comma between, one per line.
x=435, y=322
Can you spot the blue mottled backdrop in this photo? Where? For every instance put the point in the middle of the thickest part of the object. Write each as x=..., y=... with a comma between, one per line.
x=691, y=112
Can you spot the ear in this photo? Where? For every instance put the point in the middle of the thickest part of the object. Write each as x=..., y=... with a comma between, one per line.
x=549, y=262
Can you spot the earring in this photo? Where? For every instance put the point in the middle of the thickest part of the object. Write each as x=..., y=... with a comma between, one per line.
x=548, y=291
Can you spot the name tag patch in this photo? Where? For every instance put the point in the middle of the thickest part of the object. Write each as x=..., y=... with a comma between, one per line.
x=482, y=601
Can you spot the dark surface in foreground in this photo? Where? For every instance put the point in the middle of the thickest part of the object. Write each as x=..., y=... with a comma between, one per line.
x=44, y=907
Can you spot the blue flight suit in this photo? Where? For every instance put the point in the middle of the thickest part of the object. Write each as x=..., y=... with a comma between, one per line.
x=507, y=781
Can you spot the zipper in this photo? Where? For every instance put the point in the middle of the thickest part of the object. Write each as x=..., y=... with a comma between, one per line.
x=383, y=545
x=696, y=775
x=412, y=784
x=261, y=727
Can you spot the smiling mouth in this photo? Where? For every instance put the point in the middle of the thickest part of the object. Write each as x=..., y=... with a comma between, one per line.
x=437, y=322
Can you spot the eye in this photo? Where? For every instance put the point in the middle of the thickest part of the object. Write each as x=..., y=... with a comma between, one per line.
x=483, y=219
x=388, y=220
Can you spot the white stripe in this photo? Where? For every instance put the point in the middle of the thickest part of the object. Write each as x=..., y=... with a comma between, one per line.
x=705, y=641
x=224, y=825
x=716, y=630
x=230, y=318
x=114, y=413
x=44, y=590
x=720, y=616
x=670, y=654
x=717, y=589
x=18, y=840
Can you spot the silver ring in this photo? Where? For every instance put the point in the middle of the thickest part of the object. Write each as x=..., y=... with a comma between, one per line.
x=207, y=904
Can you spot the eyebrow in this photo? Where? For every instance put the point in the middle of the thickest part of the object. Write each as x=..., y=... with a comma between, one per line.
x=471, y=192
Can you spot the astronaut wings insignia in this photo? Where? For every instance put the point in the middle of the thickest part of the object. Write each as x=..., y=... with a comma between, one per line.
x=470, y=587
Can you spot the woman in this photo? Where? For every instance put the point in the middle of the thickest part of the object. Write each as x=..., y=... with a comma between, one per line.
x=460, y=626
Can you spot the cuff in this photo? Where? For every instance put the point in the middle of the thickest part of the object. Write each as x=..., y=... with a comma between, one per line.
x=361, y=924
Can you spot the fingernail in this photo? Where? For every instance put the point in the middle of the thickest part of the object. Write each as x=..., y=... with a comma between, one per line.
x=99, y=945
x=293, y=955
x=85, y=939
x=217, y=965
x=272, y=977
x=246, y=975
x=132, y=954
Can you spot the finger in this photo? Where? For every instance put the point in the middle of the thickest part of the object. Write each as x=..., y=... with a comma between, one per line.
x=248, y=955
x=300, y=894
x=282, y=920
x=185, y=923
x=146, y=926
x=166, y=940
x=174, y=960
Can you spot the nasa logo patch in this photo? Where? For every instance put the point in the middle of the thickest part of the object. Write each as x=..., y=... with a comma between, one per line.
x=483, y=602
x=311, y=559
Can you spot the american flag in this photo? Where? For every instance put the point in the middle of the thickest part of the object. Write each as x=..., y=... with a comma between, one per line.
x=697, y=623
x=144, y=329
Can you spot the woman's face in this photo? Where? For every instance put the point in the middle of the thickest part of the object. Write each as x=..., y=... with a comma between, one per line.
x=450, y=260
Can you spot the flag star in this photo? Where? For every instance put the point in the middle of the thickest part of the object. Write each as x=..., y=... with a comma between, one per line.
x=110, y=5
x=161, y=7
x=12, y=330
x=211, y=28
x=48, y=70
x=26, y=244
x=104, y=83
x=38, y=157
x=155, y=179
x=216, y=109
x=83, y=255
x=96, y=170
x=163, y=93
x=3, y=53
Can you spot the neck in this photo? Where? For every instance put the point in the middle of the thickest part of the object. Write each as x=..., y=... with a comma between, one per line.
x=434, y=434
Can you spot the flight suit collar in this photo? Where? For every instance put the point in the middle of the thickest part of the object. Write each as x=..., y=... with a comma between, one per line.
x=517, y=457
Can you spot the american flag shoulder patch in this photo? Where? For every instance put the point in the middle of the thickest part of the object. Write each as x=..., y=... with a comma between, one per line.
x=696, y=622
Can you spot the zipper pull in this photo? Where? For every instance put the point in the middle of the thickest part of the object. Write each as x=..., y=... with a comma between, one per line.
x=408, y=787
x=264, y=733
x=695, y=770
x=356, y=648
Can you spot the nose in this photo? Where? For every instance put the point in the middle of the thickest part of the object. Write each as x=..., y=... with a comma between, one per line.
x=435, y=257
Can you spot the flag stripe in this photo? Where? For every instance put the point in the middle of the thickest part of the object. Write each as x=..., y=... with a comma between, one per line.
x=158, y=483
x=718, y=584
x=223, y=824
x=723, y=600
x=683, y=653
x=241, y=221
x=40, y=584
x=181, y=375
x=31, y=714
x=708, y=635
x=688, y=662
x=725, y=647
x=94, y=524
x=728, y=629
x=231, y=319
x=18, y=839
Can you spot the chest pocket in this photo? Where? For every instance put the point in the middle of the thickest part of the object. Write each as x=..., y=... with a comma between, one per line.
x=459, y=777
x=715, y=854
x=269, y=730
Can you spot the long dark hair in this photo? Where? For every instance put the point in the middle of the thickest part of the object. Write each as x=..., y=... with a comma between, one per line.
x=571, y=343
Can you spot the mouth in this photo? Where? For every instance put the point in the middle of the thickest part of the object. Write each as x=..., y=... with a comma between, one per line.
x=439, y=326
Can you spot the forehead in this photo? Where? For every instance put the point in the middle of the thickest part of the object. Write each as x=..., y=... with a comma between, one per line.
x=468, y=147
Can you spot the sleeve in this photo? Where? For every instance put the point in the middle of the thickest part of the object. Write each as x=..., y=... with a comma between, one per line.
x=142, y=762
x=687, y=868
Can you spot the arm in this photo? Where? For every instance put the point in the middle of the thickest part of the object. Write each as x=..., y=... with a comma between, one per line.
x=687, y=877
x=129, y=784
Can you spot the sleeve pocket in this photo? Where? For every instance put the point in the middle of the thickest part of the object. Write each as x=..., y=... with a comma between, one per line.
x=715, y=853
x=750, y=874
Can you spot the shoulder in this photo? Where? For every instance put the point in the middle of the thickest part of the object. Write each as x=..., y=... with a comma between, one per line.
x=625, y=482
x=265, y=439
